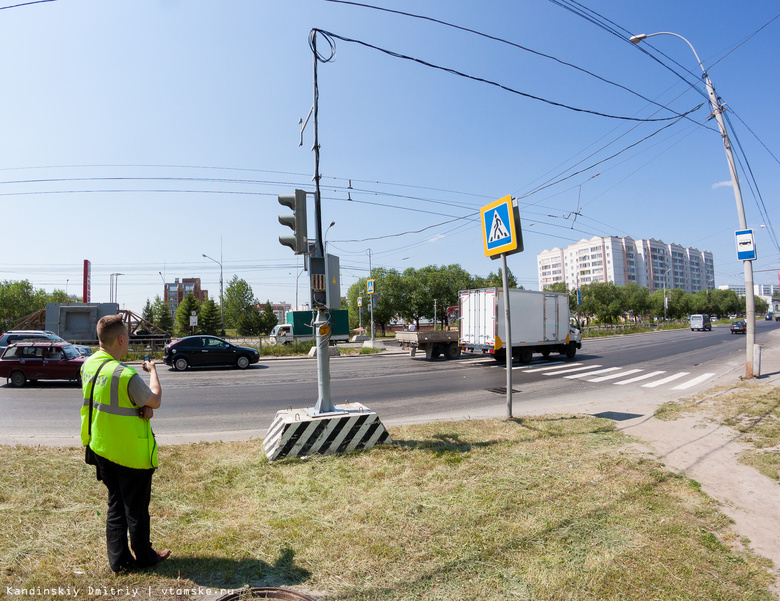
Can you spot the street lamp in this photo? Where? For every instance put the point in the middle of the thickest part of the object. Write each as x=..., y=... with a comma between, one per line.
x=221, y=301
x=750, y=305
x=114, y=287
x=665, y=272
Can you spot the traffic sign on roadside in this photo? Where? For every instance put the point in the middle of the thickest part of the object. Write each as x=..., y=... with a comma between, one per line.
x=501, y=232
x=370, y=285
x=746, y=246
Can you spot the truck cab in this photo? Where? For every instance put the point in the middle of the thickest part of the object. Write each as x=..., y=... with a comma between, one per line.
x=281, y=334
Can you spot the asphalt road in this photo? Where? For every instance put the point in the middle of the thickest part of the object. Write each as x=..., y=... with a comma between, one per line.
x=228, y=404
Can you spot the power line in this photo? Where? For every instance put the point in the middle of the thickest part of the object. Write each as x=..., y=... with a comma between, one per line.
x=327, y=34
x=500, y=40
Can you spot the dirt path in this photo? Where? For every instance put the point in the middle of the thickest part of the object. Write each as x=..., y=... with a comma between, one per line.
x=707, y=452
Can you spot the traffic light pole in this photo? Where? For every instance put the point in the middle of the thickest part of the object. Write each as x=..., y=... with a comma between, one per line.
x=324, y=428
x=324, y=402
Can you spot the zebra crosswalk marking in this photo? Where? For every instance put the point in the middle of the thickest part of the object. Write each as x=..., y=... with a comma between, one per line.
x=560, y=365
x=613, y=376
x=639, y=378
x=666, y=380
x=690, y=383
x=592, y=373
x=567, y=371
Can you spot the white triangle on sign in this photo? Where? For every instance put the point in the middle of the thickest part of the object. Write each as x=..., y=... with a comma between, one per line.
x=498, y=230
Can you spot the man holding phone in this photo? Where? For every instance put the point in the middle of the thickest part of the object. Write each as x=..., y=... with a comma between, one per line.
x=115, y=425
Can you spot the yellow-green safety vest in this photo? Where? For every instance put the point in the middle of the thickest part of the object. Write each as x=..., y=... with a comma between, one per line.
x=119, y=434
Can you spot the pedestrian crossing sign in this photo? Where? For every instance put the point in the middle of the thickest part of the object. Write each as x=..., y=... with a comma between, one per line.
x=501, y=228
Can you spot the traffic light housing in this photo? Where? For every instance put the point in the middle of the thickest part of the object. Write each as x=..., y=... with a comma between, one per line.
x=297, y=221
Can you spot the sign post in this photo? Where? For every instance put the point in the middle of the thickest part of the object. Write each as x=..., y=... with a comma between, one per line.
x=501, y=235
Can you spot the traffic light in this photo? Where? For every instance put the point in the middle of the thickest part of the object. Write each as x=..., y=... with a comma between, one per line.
x=296, y=221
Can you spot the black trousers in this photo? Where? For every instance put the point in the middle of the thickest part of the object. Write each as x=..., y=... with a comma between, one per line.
x=129, y=493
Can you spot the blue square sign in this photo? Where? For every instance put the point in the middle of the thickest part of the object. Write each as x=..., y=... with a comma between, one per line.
x=500, y=232
x=746, y=246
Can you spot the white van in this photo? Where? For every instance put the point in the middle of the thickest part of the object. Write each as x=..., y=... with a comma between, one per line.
x=700, y=322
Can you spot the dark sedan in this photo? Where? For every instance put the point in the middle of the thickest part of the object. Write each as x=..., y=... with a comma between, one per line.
x=35, y=361
x=739, y=327
x=208, y=351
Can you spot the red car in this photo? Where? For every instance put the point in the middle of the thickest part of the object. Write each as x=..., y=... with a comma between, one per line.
x=35, y=361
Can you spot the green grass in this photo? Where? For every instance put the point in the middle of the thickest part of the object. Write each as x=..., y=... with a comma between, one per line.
x=548, y=508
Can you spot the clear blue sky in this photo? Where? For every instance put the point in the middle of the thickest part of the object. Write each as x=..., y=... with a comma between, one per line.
x=141, y=135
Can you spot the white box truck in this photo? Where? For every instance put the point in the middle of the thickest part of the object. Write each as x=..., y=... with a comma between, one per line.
x=540, y=323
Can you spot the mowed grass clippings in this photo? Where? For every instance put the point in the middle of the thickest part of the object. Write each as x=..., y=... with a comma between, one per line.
x=751, y=408
x=545, y=508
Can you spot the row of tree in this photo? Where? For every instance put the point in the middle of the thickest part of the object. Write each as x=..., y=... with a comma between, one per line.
x=608, y=303
x=241, y=310
x=428, y=292
x=416, y=294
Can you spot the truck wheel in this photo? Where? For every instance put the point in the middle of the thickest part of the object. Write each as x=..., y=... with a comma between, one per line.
x=435, y=352
x=525, y=356
x=571, y=350
x=18, y=379
x=500, y=356
x=546, y=353
x=453, y=351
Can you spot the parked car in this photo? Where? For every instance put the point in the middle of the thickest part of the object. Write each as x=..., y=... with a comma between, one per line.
x=12, y=336
x=35, y=361
x=202, y=351
x=739, y=327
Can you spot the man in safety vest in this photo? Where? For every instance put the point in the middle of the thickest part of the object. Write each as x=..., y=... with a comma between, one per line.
x=120, y=405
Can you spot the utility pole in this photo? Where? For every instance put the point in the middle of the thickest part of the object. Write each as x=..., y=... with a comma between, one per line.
x=717, y=109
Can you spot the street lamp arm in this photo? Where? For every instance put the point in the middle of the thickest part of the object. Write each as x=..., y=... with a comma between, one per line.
x=635, y=39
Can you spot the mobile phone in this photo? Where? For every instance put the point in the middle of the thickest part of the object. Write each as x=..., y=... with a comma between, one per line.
x=147, y=358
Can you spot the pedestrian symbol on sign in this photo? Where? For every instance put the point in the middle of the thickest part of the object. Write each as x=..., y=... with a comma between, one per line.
x=498, y=230
x=501, y=228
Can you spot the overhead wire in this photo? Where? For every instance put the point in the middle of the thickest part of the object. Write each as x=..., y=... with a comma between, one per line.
x=487, y=81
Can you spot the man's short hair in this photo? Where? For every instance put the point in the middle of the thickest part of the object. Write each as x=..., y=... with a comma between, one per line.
x=108, y=328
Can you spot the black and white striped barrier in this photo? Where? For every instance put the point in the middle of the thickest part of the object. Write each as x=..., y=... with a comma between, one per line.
x=299, y=433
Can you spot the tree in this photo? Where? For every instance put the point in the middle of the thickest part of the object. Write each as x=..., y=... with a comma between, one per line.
x=147, y=314
x=238, y=299
x=268, y=318
x=162, y=317
x=496, y=280
x=59, y=296
x=637, y=300
x=603, y=300
x=17, y=300
x=250, y=322
x=189, y=305
x=208, y=319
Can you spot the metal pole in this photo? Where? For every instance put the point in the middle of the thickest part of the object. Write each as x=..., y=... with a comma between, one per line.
x=322, y=330
x=750, y=303
x=508, y=341
x=371, y=297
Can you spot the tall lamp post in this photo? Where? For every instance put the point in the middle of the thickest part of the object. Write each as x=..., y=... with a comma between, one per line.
x=665, y=274
x=221, y=302
x=750, y=304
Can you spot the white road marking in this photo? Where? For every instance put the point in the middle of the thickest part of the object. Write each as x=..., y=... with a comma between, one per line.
x=613, y=376
x=639, y=378
x=693, y=382
x=567, y=371
x=665, y=380
x=592, y=373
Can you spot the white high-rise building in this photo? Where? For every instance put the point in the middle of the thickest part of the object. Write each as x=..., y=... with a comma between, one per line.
x=650, y=263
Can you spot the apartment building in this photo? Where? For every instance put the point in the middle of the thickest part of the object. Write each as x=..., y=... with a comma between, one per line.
x=176, y=291
x=650, y=263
